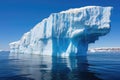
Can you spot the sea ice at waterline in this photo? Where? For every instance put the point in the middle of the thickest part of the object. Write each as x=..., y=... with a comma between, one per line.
x=66, y=33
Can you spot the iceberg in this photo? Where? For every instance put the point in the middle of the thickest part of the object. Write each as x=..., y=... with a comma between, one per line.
x=67, y=33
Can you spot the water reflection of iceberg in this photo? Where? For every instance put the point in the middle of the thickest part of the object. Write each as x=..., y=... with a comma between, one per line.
x=74, y=68
x=52, y=68
x=37, y=66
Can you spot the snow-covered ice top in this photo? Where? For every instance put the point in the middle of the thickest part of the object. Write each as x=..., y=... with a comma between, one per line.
x=65, y=33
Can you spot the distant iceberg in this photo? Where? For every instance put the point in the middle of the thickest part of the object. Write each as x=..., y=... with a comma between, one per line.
x=105, y=49
x=67, y=33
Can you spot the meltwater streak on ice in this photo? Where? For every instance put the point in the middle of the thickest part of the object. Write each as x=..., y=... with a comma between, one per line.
x=67, y=33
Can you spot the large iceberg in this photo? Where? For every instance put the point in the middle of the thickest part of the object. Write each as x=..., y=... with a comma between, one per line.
x=67, y=33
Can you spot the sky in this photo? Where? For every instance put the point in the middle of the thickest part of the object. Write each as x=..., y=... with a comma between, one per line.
x=19, y=16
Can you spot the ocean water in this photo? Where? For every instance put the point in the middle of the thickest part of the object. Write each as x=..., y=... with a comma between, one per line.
x=95, y=66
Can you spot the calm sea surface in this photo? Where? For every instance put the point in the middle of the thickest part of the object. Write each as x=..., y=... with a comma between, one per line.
x=96, y=66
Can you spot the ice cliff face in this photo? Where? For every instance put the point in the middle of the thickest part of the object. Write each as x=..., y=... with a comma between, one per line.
x=66, y=33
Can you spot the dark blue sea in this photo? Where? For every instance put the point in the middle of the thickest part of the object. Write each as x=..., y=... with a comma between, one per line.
x=95, y=66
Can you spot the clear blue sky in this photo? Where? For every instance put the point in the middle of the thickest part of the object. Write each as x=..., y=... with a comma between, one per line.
x=19, y=16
